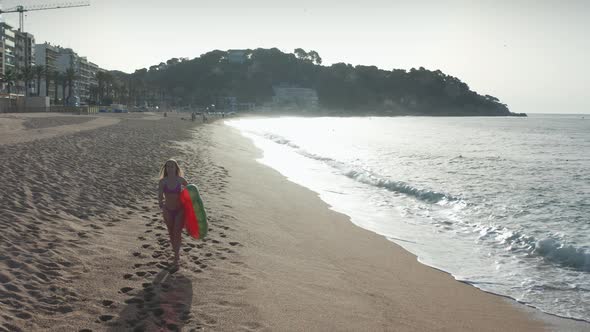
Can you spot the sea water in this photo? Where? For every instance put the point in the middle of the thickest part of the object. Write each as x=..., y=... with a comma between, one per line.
x=501, y=203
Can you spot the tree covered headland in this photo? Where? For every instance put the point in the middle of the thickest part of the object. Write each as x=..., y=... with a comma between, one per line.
x=341, y=88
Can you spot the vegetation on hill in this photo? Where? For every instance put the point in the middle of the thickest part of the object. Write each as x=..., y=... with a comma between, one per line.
x=341, y=88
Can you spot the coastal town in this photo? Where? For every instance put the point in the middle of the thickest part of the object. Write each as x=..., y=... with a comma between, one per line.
x=41, y=77
x=37, y=75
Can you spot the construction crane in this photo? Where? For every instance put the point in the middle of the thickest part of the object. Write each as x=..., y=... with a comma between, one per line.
x=22, y=9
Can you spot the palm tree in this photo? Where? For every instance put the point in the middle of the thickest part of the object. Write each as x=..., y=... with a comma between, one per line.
x=101, y=79
x=64, y=84
x=39, y=73
x=57, y=77
x=109, y=81
x=94, y=94
x=9, y=78
x=71, y=77
x=27, y=76
x=49, y=76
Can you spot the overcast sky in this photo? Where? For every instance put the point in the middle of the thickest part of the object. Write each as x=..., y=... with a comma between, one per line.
x=532, y=55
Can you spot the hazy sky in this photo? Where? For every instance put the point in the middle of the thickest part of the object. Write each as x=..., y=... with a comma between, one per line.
x=532, y=55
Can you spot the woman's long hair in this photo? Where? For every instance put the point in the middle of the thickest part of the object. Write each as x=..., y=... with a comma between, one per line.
x=164, y=171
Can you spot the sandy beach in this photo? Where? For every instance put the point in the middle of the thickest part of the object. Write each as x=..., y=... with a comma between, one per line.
x=83, y=247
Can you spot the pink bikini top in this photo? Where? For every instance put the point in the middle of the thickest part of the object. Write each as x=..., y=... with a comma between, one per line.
x=176, y=189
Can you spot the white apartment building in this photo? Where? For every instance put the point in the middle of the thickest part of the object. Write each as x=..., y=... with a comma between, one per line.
x=7, y=49
x=46, y=55
x=61, y=59
x=24, y=59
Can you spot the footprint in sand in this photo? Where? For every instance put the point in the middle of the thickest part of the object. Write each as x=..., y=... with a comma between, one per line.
x=126, y=290
x=105, y=318
x=24, y=315
x=107, y=303
x=134, y=300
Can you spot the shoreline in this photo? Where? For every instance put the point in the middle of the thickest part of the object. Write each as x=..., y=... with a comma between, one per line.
x=550, y=321
x=84, y=238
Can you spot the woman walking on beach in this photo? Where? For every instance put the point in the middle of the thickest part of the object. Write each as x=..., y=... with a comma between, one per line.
x=169, y=188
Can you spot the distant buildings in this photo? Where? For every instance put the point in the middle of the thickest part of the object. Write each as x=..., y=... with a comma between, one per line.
x=19, y=57
x=294, y=97
x=59, y=59
x=24, y=59
x=7, y=49
x=85, y=71
x=46, y=55
x=236, y=56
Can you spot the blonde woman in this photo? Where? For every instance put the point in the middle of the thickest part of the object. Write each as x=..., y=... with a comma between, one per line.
x=169, y=188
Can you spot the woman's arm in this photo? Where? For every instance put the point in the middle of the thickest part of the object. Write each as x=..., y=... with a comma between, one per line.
x=161, y=194
x=183, y=182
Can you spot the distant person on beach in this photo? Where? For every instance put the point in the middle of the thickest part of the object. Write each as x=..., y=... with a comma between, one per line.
x=169, y=188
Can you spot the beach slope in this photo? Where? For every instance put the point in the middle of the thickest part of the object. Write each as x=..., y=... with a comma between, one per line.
x=309, y=268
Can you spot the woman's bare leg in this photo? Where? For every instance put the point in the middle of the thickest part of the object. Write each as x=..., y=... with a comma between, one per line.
x=170, y=226
x=177, y=236
x=168, y=222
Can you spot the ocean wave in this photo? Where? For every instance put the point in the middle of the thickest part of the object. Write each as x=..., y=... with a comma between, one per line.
x=367, y=177
x=563, y=254
x=551, y=249
x=280, y=140
x=398, y=186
